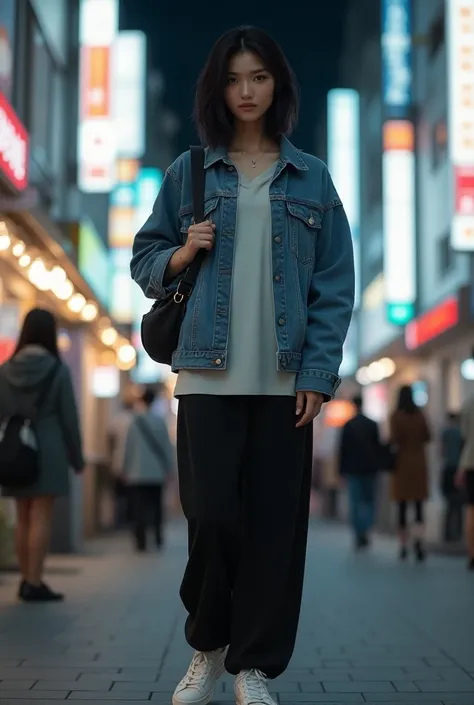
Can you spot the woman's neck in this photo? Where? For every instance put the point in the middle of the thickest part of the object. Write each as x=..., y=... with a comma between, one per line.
x=250, y=138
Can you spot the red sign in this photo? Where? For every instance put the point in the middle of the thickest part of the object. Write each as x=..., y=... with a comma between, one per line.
x=13, y=146
x=433, y=323
x=464, y=180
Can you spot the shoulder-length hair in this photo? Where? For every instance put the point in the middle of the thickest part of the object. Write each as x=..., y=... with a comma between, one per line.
x=405, y=400
x=214, y=121
x=39, y=328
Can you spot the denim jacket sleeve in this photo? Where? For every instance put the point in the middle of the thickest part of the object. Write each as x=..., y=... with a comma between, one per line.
x=157, y=241
x=330, y=302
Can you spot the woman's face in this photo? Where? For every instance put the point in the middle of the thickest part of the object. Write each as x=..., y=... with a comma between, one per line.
x=250, y=87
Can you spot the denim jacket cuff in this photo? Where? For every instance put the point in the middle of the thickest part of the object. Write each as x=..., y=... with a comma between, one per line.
x=318, y=381
x=158, y=274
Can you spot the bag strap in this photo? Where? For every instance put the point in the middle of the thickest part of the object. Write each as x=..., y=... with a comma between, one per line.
x=46, y=386
x=150, y=439
x=198, y=177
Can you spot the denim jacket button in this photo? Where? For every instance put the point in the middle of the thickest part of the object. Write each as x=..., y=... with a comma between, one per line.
x=278, y=240
x=311, y=221
x=277, y=277
x=281, y=321
x=218, y=361
x=230, y=168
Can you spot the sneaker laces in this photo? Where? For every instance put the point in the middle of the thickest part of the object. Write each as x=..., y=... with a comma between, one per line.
x=197, y=670
x=254, y=685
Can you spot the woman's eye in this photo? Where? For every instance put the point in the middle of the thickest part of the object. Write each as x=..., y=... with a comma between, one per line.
x=260, y=78
x=230, y=80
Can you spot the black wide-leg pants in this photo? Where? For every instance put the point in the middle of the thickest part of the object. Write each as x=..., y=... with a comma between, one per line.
x=245, y=478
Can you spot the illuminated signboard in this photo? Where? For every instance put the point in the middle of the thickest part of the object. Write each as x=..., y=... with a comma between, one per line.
x=96, y=134
x=396, y=57
x=129, y=92
x=398, y=165
x=93, y=261
x=14, y=143
x=460, y=18
x=432, y=324
x=344, y=161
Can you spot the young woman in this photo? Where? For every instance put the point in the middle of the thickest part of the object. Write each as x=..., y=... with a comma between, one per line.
x=258, y=354
x=409, y=434
x=35, y=372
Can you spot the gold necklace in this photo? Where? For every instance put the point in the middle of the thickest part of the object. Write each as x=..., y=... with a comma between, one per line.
x=253, y=162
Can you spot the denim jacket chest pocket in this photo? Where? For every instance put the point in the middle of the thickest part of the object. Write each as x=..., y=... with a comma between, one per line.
x=186, y=218
x=304, y=223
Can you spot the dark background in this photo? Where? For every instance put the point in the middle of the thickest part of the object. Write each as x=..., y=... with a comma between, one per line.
x=181, y=33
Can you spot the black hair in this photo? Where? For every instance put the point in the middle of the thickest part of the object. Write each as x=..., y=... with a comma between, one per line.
x=39, y=328
x=214, y=121
x=148, y=396
x=357, y=401
x=405, y=400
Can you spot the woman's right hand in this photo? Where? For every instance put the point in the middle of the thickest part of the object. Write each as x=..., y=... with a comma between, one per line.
x=201, y=236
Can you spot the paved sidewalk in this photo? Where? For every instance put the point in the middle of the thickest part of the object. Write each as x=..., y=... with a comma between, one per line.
x=371, y=630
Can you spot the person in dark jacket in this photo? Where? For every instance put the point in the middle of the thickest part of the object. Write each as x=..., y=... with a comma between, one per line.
x=34, y=365
x=359, y=462
x=451, y=449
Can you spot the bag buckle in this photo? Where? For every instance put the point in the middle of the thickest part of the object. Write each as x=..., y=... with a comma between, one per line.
x=178, y=298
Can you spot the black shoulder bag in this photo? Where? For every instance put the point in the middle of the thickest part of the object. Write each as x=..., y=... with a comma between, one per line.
x=161, y=325
x=19, y=445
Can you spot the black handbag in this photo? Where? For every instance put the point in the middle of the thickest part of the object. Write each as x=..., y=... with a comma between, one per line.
x=161, y=325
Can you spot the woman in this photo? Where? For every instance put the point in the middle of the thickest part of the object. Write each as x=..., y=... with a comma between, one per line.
x=259, y=353
x=36, y=372
x=409, y=434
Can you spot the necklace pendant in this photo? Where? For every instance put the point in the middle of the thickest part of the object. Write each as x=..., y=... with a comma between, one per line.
x=254, y=163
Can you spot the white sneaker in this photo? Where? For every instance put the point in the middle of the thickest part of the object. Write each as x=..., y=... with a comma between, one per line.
x=251, y=689
x=197, y=686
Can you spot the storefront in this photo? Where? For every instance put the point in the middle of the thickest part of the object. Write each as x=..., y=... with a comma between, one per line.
x=62, y=269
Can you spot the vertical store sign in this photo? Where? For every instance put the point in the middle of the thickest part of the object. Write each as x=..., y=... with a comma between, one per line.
x=460, y=18
x=398, y=169
x=146, y=371
x=14, y=143
x=96, y=135
x=122, y=216
x=343, y=160
x=398, y=162
x=128, y=95
x=344, y=166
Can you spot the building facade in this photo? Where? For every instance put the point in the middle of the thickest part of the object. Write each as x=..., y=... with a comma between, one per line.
x=51, y=254
x=416, y=314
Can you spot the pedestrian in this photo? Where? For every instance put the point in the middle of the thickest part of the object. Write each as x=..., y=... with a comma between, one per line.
x=259, y=352
x=465, y=474
x=37, y=384
x=360, y=458
x=148, y=461
x=409, y=435
x=451, y=448
x=117, y=436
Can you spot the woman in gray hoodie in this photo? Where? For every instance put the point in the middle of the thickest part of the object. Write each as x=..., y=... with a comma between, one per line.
x=35, y=371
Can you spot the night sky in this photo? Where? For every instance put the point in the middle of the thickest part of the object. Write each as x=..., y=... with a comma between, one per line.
x=181, y=33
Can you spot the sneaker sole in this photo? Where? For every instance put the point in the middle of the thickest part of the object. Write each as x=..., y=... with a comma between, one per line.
x=204, y=700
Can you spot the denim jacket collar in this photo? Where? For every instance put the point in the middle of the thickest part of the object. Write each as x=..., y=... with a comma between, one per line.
x=288, y=155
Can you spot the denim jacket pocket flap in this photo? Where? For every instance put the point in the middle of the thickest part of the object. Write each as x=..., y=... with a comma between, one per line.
x=310, y=216
x=186, y=214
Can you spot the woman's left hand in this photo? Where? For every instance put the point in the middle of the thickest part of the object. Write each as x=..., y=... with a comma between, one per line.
x=308, y=406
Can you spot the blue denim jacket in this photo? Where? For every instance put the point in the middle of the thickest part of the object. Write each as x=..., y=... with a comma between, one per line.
x=312, y=264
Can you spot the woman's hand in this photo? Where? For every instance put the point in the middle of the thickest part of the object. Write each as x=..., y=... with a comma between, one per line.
x=201, y=236
x=308, y=406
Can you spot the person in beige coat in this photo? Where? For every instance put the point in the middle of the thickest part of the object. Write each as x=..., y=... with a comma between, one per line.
x=409, y=435
x=465, y=476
